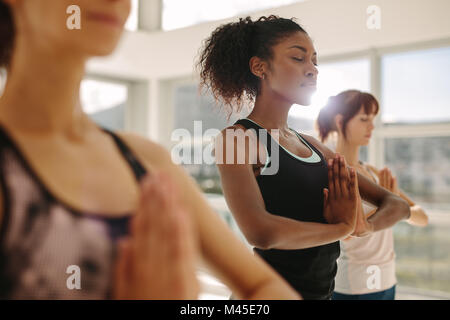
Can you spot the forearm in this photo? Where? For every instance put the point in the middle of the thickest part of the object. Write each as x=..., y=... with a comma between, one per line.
x=289, y=234
x=392, y=210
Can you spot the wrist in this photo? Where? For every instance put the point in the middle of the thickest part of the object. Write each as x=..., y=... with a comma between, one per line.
x=345, y=229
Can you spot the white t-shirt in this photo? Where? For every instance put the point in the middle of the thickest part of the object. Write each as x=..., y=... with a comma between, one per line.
x=366, y=264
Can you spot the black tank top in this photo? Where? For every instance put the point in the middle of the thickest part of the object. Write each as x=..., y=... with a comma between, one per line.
x=296, y=192
x=41, y=237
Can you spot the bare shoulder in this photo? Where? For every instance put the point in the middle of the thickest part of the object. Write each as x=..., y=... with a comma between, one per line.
x=236, y=128
x=238, y=141
x=152, y=154
x=327, y=152
x=373, y=169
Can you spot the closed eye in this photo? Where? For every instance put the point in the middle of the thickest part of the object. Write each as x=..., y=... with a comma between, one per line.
x=301, y=60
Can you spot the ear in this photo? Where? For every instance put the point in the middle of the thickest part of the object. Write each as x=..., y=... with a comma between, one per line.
x=258, y=67
x=339, y=122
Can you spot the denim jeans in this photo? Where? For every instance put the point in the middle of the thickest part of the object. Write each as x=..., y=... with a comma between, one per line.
x=388, y=294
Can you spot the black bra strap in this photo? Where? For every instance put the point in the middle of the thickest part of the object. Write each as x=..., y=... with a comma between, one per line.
x=138, y=169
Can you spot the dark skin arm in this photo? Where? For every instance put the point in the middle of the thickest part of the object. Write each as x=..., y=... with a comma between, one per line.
x=391, y=208
x=266, y=230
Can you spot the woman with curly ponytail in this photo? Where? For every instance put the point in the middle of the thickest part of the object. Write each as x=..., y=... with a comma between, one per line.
x=350, y=115
x=292, y=197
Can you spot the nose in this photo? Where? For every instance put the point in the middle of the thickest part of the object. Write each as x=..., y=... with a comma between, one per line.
x=311, y=71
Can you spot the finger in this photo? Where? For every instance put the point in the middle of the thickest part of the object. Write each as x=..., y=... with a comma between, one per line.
x=336, y=176
x=391, y=181
x=388, y=178
x=383, y=178
x=325, y=198
x=153, y=210
x=345, y=180
x=122, y=270
x=395, y=184
x=354, y=187
x=331, y=188
x=185, y=252
x=140, y=221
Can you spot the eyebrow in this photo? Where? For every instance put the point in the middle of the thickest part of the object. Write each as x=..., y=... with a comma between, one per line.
x=302, y=48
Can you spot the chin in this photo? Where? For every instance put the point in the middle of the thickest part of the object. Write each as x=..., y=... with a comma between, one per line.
x=101, y=49
x=304, y=102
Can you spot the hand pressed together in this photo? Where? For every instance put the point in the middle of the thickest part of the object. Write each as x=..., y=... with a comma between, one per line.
x=158, y=259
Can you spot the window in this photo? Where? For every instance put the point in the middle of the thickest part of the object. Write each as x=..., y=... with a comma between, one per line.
x=415, y=90
x=180, y=13
x=198, y=113
x=416, y=86
x=333, y=78
x=423, y=258
x=105, y=102
x=422, y=166
x=133, y=20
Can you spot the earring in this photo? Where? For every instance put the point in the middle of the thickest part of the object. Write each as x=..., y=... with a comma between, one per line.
x=264, y=76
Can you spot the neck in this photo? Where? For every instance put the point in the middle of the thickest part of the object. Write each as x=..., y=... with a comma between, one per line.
x=349, y=151
x=42, y=91
x=271, y=113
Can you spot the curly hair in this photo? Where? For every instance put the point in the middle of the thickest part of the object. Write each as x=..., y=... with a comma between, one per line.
x=6, y=34
x=347, y=103
x=224, y=59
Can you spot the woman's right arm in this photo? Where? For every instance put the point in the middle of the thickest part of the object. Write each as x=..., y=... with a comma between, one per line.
x=263, y=229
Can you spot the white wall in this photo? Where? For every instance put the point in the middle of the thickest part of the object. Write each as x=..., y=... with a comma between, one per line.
x=336, y=26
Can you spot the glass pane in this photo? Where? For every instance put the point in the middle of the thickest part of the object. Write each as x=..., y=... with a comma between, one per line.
x=422, y=166
x=416, y=86
x=190, y=106
x=198, y=113
x=182, y=13
x=333, y=78
x=423, y=258
x=133, y=20
x=105, y=102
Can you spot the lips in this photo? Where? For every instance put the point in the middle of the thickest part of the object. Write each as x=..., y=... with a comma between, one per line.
x=105, y=18
x=310, y=85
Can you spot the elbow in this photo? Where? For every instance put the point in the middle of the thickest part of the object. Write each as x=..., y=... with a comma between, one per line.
x=262, y=239
x=404, y=210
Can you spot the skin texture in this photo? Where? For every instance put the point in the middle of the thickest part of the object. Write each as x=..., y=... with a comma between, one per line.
x=41, y=111
x=289, y=78
x=358, y=133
